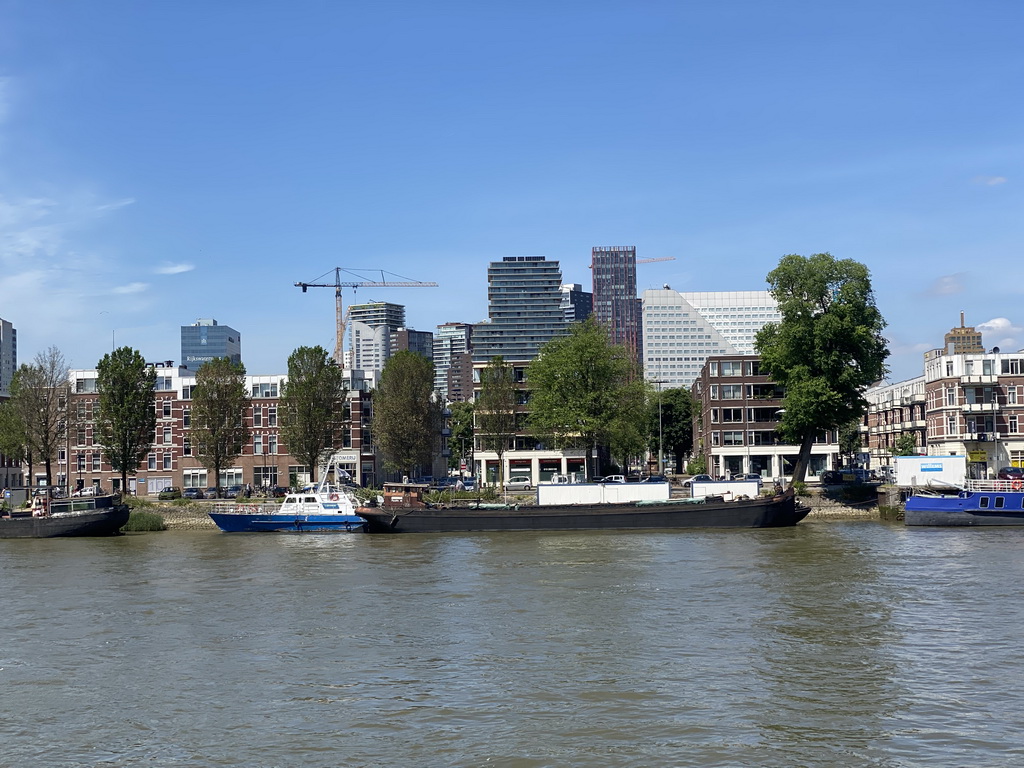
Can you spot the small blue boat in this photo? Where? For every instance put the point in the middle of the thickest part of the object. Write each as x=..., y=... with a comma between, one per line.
x=979, y=502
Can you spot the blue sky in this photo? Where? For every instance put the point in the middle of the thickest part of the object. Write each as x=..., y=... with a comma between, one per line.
x=166, y=161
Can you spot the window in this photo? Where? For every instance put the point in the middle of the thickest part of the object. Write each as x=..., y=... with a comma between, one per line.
x=712, y=369
x=983, y=502
x=186, y=447
x=732, y=391
x=272, y=444
x=732, y=368
x=151, y=462
x=186, y=418
x=264, y=390
x=167, y=461
x=1000, y=500
x=166, y=408
x=1011, y=367
x=167, y=435
x=1011, y=395
x=732, y=438
x=714, y=415
x=257, y=416
x=951, y=426
x=1012, y=423
x=81, y=462
x=753, y=367
x=272, y=416
x=186, y=391
x=732, y=414
x=257, y=445
x=716, y=438
x=950, y=396
x=714, y=391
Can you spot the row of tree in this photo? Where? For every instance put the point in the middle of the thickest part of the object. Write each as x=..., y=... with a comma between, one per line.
x=39, y=418
x=583, y=392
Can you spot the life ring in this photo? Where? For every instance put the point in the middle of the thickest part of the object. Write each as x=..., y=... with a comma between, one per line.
x=334, y=497
x=1016, y=485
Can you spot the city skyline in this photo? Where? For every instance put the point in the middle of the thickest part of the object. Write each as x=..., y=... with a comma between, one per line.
x=141, y=188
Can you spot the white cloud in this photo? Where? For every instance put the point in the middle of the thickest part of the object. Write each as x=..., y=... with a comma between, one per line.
x=947, y=285
x=1001, y=332
x=174, y=269
x=989, y=181
x=130, y=288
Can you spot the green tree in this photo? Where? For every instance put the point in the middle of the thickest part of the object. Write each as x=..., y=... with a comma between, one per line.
x=496, y=410
x=219, y=403
x=40, y=394
x=579, y=383
x=126, y=414
x=676, y=424
x=906, y=445
x=461, y=440
x=13, y=439
x=406, y=413
x=312, y=405
x=827, y=348
x=849, y=441
x=629, y=431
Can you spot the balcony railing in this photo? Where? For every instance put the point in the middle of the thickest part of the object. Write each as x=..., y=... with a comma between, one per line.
x=986, y=378
x=980, y=407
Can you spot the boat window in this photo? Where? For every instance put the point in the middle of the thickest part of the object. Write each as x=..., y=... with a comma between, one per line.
x=983, y=502
x=310, y=500
x=999, y=502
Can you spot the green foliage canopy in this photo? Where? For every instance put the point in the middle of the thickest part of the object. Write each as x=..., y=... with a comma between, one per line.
x=406, y=414
x=126, y=415
x=582, y=387
x=496, y=409
x=219, y=403
x=827, y=348
x=312, y=405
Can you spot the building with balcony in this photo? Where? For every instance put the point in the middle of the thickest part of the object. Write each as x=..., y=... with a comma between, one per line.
x=736, y=422
x=974, y=406
x=8, y=356
x=453, y=373
x=894, y=410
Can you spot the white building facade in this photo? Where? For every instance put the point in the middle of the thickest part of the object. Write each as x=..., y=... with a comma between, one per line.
x=682, y=330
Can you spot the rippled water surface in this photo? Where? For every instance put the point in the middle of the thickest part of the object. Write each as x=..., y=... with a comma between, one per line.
x=828, y=644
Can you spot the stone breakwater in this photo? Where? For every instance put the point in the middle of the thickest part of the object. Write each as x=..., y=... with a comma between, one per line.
x=827, y=509
x=185, y=517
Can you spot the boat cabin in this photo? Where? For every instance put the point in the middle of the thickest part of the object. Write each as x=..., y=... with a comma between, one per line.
x=404, y=495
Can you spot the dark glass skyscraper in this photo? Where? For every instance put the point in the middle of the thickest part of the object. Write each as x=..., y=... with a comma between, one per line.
x=204, y=340
x=616, y=305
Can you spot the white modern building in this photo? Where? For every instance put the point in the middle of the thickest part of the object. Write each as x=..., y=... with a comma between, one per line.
x=682, y=330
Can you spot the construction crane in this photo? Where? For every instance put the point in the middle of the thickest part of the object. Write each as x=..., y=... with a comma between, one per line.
x=337, y=285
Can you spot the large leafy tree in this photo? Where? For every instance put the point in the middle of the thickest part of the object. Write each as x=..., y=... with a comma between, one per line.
x=671, y=419
x=580, y=383
x=461, y=441
x=827, y=348
x=905, y=445
x=126, y=416
x=13, y=438
x=496, y=419
x=219, y=402
x=40, y=395
x=312, y=405
x=406, y=413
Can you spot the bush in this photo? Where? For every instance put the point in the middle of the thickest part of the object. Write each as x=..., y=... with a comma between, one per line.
x=140, y=520
x=800, y=488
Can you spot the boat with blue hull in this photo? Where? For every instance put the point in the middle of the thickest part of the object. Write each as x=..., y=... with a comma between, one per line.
x=977, y=503
x=330, y=510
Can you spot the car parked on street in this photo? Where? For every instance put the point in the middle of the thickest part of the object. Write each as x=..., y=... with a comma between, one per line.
x=192, y=493
x=169, y=493
x=87, y=490
x=613, y=479
x=519, y=483
x=688, y=482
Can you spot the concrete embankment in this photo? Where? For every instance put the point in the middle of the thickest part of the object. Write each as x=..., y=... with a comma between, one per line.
x=827, y=509
x=185, y=517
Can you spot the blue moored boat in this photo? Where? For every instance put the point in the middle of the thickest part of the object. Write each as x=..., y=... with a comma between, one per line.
x=979, y=502
x=325, y=508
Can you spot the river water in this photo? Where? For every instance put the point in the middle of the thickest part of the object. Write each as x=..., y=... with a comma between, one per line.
x=827, y=644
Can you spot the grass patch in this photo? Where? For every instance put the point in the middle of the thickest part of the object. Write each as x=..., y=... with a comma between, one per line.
x=142, y=520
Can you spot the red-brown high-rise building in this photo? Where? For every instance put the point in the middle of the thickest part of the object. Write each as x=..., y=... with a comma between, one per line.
x=616, y=305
